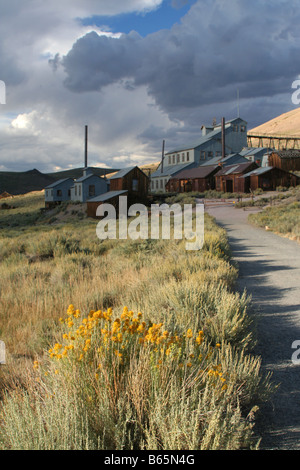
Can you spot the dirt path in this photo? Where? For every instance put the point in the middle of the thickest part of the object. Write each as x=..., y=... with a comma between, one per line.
x=269, y=268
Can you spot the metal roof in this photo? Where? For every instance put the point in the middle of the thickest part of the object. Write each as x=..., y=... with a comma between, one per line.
x=254, y=150
x=171, y=170
x=293, y=153
x=106, y=196
x=121, y=173
x=199, y=172
x=202, y=140
x=56, y=183
x=234, y=169
x=258, y=171
x=86, y=177
x=233, y=158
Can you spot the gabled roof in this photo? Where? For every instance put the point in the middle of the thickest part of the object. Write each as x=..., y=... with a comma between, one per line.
x=86, y=177
x=293, y=153
x=231, y=159
x=106, y=196
x=171, y=170
x=217, y=131
x=59, y=182
x=202, y=140
x=123, y=172
x=258, y=171
x=199, y=172
x=254, y=150
x=235, y=169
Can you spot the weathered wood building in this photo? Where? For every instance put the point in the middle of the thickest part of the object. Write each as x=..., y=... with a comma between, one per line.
x=111, y=197
x=195, y=179
x=228, y=178
x=269, y=178
x=133, y=180
x=288, y=160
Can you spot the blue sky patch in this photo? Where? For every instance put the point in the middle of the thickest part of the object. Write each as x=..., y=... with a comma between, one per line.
x=163, y=17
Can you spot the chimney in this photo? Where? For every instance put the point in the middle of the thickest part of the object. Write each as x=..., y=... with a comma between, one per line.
x=162, y=156
x=206, y=130
x=223, y=138
x=86, y=148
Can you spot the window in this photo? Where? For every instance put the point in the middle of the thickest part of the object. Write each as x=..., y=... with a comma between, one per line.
x=173, y=159
x=161, y=184
x=79, y=190
x=183, y=157
x=187, y=156
x=92, y=190
x=210, y=154
x=243, y=128
x=75, y=189
x=69, y=192
x=169, y=159
x=202, y=155
x=135, y=185
x=152, y=184
x=47, y=193
x=59, y=193
x=156, y=184
x=178, y=158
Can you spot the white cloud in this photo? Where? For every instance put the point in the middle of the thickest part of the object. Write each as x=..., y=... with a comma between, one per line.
x=134, y=91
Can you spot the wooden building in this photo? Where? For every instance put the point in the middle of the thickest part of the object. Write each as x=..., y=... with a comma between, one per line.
x=133, y=180
x=111, y=197
x=269, y=178
x=88, y=186
x=58, y=192
x=288, y=160
x=195, y=179
x=228, y=178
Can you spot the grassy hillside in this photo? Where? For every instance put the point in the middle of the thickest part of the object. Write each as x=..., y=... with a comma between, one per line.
x=23, y=182
x=77, y=173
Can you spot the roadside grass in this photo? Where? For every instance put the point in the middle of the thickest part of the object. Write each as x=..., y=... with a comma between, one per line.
x=154, y=353
x=282, y=218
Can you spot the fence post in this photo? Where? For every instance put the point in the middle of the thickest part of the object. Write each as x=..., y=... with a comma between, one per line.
x=2, y=353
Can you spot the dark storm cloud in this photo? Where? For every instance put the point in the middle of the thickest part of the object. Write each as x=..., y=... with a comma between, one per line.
x=218, y=47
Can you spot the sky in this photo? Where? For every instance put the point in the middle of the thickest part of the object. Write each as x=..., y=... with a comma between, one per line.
x=137, y=72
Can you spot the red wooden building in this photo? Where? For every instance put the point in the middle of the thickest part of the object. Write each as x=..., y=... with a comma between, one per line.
x=133, y=180
x=269, y=178
x=196, y=179
x=288, y=160
x=228, y=178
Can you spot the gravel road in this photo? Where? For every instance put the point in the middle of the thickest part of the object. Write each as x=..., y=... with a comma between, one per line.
x=269, y=268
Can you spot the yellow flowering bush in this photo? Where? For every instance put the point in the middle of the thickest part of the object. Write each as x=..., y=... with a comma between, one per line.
x=105, y=342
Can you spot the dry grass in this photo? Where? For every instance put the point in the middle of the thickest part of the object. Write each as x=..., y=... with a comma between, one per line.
x=45, y=267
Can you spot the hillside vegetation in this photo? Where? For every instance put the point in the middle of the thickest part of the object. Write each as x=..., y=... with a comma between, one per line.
x=132, y=344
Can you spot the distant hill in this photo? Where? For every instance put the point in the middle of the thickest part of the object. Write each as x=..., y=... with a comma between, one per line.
x=23, y=182
x=33, y=180
x=77, y=172
x=285, y=125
